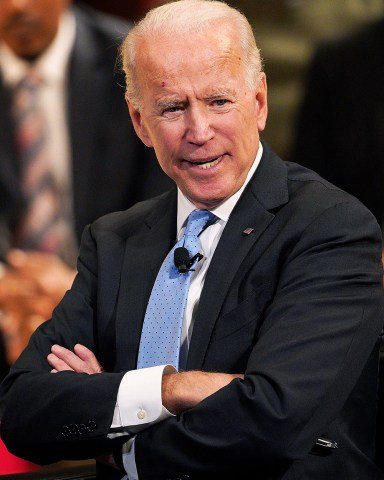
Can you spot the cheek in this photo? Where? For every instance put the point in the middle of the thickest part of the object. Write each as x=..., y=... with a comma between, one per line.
x=4, y=17
x=165, y=152
x=166, y=138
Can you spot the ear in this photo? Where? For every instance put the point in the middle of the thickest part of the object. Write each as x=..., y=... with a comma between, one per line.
x=138, y=125
x=262, y=104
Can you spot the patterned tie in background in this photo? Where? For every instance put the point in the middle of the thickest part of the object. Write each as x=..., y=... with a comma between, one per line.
x=163, y=322
x=37, y=229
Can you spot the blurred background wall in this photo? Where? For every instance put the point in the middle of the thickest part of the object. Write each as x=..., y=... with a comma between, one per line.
x=286, y=32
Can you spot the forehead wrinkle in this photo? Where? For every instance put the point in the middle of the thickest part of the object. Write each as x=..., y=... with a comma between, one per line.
x=224, y=62
x=226, y=54
x=168, y=80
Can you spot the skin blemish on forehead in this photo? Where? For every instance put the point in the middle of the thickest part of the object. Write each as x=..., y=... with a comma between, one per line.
x=163, y=84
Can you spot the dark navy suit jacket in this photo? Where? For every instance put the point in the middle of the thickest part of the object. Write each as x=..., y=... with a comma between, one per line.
x=297, y=305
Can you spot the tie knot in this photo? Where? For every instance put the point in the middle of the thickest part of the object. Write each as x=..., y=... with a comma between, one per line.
x=25, y=94
x=31, y=81
x=197, y=220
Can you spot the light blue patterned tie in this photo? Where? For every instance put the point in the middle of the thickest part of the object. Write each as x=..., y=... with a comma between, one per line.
x=163, y=322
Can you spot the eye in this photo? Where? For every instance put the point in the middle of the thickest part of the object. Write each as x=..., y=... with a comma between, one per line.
x=221, y=102
x=176, y=108
x=172, y=111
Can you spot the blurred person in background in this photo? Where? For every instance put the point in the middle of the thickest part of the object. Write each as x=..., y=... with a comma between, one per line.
x=94, y=162
x=289, y=30
x=340, y=130
x=343, y=103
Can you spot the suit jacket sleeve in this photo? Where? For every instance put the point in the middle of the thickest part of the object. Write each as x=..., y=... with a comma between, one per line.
x=78, y=408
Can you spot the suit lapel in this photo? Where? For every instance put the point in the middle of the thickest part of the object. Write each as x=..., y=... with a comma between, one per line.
x=266, y=191
x=146, y=248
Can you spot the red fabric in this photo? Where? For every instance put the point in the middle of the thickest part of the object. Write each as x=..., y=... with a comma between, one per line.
x=11, y=464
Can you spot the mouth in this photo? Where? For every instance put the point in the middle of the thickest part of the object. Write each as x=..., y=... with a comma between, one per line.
x=205, y=164
x=22, y=21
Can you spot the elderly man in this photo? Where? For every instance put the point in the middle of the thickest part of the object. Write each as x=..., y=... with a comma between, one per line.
x=251, y=348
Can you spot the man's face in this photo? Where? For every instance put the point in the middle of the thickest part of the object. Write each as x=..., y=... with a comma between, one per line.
x=198, y=112
x=29, y=26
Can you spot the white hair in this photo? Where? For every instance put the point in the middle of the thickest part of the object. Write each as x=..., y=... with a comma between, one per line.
x=182, y=17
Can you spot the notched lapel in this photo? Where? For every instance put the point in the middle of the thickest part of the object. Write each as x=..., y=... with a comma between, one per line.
x=266, y=191
x=145, y=251
x=232, y=249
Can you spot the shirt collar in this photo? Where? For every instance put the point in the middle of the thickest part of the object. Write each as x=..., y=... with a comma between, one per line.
x=223, y=211
x=52, y=65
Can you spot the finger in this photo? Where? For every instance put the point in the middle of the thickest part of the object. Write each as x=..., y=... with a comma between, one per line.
x=88, y=357
x=69, y=358
x=72, y=361
x=57, y=363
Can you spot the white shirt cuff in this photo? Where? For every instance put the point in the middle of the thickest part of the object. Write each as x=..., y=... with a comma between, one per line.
x=139, y=401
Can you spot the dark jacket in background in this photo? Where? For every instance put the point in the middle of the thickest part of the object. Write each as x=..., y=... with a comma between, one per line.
x=340, y=129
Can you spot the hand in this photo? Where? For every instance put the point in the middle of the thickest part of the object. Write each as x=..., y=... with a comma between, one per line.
x=81, y=360
x=19, y=318
x=30, y=287
x=181, y=391
x=47, y=273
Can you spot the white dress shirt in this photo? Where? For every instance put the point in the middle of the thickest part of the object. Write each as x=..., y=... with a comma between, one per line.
x=139, y=398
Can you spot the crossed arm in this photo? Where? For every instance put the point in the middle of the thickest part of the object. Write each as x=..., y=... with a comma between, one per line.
x=180, y=390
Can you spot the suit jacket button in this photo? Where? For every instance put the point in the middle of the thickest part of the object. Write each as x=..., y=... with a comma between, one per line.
x=91, y=426
x=73, y=429
x=82, y=429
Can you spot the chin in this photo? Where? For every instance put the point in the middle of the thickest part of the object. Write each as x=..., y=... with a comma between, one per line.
x=208, y=203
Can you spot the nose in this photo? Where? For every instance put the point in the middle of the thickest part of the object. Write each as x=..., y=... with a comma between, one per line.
x=199, y=128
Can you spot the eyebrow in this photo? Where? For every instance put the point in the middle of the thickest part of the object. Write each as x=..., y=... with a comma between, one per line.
x=221, y=94
x=169, y=103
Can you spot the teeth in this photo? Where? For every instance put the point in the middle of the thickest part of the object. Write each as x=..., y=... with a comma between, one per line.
x=209, y=164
